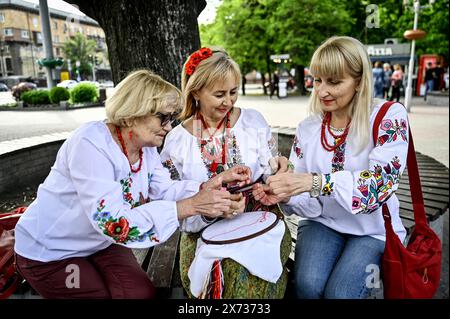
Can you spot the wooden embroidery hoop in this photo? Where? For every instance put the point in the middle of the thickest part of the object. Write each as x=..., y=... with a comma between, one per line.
x=243, y=238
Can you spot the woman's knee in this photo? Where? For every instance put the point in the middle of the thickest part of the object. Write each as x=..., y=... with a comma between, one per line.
x=307, y=287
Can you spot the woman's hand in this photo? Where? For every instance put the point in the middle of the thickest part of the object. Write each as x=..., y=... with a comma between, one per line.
x=212, y=201
x=265, y=196
x=280, y=164
x=239, y=174
x=289, y=184
x=237, y=205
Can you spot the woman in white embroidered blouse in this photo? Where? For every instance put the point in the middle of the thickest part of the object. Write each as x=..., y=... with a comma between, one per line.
x=108, y=192
x=214, y=138
x=341, y=179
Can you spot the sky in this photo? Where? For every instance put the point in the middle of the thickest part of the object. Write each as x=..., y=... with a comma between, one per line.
x=59, y=5
x=207, y=15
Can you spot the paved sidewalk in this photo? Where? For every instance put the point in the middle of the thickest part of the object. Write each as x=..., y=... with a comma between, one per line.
x=430, y=124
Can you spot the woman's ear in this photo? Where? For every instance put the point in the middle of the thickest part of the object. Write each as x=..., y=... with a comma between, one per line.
x=195, y=95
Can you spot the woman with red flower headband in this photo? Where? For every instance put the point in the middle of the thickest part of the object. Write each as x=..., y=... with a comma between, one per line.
x=107, y=193
x=217, y=139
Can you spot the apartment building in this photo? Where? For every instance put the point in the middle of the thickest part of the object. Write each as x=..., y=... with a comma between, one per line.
x=21, y=42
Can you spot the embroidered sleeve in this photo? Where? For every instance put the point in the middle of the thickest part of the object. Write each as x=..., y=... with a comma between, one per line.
x=366, y=190
x=174, y=175
x=108, y=203
x=302, y=205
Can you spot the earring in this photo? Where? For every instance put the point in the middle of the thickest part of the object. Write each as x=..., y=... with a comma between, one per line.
x=195, y=103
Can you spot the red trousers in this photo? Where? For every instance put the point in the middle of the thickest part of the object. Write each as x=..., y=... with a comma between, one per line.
x=109, y=273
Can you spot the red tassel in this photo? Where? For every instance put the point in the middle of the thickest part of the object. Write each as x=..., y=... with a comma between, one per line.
x=216, y=286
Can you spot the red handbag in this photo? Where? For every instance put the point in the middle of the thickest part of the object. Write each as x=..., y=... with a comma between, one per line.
x=9, y=277
x=414, y=271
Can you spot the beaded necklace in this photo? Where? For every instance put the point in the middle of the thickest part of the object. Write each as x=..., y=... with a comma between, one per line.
x=214, y=165
x=124, y=150
x=339, y=139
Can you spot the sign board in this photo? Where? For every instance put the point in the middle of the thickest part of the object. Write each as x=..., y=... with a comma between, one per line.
x=64, y=76
x=280, y=57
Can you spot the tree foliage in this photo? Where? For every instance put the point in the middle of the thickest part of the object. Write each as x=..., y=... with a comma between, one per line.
x=79, y=48
x=252, y=30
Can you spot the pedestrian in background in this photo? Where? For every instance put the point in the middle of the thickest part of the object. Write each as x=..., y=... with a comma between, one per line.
x=378, y=80
x=429, y=79
x=397, y=82
x=387, y=89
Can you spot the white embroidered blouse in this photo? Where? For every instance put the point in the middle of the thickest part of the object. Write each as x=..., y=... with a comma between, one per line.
x=354, y=186
x=249, y=143
x=91, y=200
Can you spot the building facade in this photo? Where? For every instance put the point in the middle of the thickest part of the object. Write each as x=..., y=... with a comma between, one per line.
x=21, y=43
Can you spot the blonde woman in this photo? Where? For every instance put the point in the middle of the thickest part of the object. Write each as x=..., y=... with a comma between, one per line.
x=341, y=179
x=108, y=192
x=216, y=139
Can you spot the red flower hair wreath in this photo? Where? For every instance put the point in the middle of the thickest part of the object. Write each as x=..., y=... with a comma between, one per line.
x=195, y=58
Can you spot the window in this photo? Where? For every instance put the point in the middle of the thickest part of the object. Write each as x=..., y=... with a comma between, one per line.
x=25, y=34
x=35, y=22
x=58, y=51
x=55, y=25
x=56, y=38
x=2, y=17
x=39, y=37
x=65, y=27
x=8, y=32
x=8, y=64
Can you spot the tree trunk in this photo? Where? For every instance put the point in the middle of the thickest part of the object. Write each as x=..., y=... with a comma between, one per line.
x=157, y=35
x=300, y=75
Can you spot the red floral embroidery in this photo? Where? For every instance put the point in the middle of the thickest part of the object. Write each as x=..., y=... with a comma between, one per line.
x=118, y=230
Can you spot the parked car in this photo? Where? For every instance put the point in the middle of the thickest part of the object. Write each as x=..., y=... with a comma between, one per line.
x=22, y=87
x=3, y=87
x=67, y=84
x=97, y=85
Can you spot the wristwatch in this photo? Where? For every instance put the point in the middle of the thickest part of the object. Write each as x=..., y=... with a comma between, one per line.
x=315, y=190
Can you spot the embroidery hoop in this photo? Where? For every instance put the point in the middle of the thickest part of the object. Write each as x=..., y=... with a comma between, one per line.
x=278, y=217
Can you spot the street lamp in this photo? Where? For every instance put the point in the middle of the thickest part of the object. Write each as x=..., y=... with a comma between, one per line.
x=413, y=35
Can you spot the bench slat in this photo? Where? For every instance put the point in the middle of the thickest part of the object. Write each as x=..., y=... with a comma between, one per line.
x=427, y=196
x=426, y=190
x=160, y=268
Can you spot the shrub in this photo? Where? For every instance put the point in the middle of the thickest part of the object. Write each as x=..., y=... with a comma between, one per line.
x=84, y=92
x=36, y=97
x=58, y=94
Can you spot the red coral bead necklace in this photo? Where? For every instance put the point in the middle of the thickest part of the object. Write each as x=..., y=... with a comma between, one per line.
x=124, y=149
x=340, y=139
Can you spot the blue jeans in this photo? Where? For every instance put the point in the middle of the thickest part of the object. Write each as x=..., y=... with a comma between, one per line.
x=332, y=265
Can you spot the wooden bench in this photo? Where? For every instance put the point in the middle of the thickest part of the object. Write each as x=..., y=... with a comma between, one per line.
x=434, y=178
x=162, y=266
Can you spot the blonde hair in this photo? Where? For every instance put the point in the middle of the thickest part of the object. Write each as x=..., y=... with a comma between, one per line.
x=214, y=69
x=140, y=94
x=335, y=57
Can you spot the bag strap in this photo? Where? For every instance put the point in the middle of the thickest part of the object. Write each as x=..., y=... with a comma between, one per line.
x=413, y=172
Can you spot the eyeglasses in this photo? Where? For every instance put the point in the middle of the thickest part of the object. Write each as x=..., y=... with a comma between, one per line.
x=167, y=118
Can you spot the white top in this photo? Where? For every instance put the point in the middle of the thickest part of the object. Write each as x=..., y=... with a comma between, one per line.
x=251, y=144
x=91, y=200
x=354, y=186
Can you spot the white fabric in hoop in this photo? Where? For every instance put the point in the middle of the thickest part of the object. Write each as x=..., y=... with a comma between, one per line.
x=259, y=255
x=240, y=226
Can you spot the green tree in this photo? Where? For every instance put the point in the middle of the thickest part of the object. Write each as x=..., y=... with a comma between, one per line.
x=79, y=49
x=252, y=30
